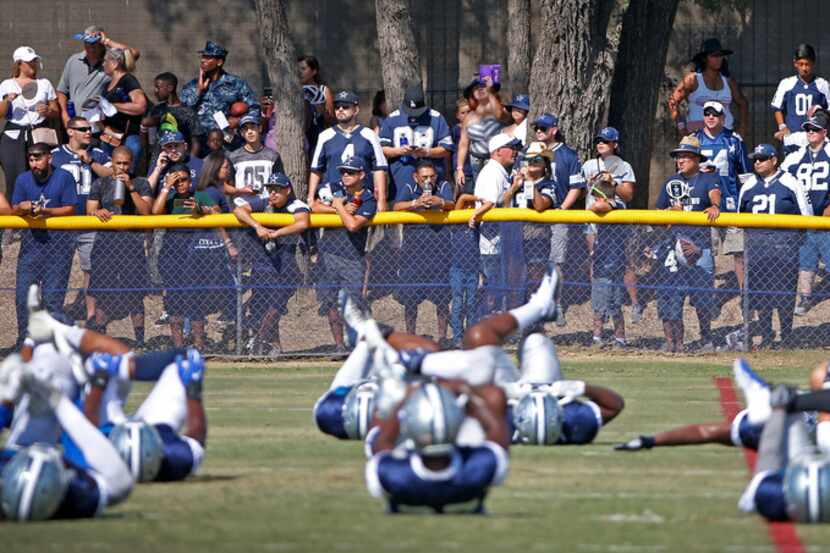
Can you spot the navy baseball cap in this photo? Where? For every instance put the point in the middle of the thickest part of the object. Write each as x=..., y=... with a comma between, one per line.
x=763, y=151
x=520, y=101
x=817, y=121
x=346, y=97
x=91, y=34
x=278, y=180
x=547, y=120
x=608, y=133
x=171, y=138
x=414, y=104
x=213, y=50
x=354, y=163
x=249, y=119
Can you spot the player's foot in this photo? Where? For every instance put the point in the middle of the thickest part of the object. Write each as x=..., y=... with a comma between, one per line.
x=11, y=373
x=638, y=443
x=756, y=391
x=101, y=367
x=356, y=315
x=542, y=298
x=38, y=380
x=33, y=300
x=192, y=372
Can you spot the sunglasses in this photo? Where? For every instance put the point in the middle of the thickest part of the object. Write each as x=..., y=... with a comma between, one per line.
x=343, y=106
x=761, y=159
x=350, y=172
x=81, y=129
x=711, y=113
x=813, y=129
x=602, y=141
x=540, y=129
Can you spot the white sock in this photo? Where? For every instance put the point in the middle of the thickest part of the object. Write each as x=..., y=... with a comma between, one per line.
x=98, y=451
x=355, y=368
x=540, y=363
x=167, y=402
x=476, y=366
x=527, y=315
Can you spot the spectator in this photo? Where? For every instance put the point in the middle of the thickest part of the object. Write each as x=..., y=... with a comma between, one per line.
x=689, y=190
x=214, y=91
x=462, y=109
x=214, y=142
x=519, y=107
x=810, y=165
x=797, y=97
x=85, y=163
x=709, y=81
x=45, y=256
x=170, y=115
x=119, y=268
x=607, y=166
x=192, y=263
x=379, y=111
x=27, y=103
x=412, y=133
x=425, y=260
x=83, y=77
x=318, y=99
x=491, y=189
x=252, y=164
x=486, y=119
x=174, y=151
x=125, y=94
x=215, y=173
x=464, y=270
x=772, y=253
x=726, y=154
x=343, y=251
x=344, y=140
x=272, y=256
x=569, y=187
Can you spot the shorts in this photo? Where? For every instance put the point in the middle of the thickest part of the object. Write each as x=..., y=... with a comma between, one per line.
x=558, y=243
x=86, y=240
x=697, y=282
x=328, y=412
x=607, y=296
x=728, y=241
x=816, y=244
x=337, y=272
x=536, y=244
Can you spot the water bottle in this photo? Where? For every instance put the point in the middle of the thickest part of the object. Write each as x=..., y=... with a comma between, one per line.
x=119, y=192
x=427, y=189
x=404, y=144
x=528, y=192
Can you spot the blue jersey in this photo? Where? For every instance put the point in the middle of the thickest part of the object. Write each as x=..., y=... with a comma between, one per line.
x=693, y=194
x=66, y=159
x=411, y=191
x=581, y=421
x=334, y=146
x=780, y=194
x=406, y=484
x=794, y=98
x=726, y=154
x=430, y=130
x=57, y=191
x=340, y=241
x=567, y=172
x=812, y=170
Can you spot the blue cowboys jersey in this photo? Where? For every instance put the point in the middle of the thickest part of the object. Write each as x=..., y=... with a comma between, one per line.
x=66, y=159
x=693, y=194
x=794, y=98
x=779, y=194
x=427, y=131
x=342, y=242
x=725, y=152
x=813, y=173
x=566, y=170
x=334, y=146
x=401, y=478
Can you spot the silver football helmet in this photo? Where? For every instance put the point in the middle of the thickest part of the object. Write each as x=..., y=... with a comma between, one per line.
x=140, y=446
x=358, y=410
x=807, y=488
x=430, y=419
x=537, y=418
x=34, y=483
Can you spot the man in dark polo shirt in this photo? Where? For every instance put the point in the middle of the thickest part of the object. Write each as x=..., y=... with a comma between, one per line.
x=45, y=256
x=343, y=250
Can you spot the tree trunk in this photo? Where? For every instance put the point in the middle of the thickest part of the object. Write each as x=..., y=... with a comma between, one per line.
x=518, y=45
x=635, y=91
x=574, y=65
x=280, y=60
x=398, y=50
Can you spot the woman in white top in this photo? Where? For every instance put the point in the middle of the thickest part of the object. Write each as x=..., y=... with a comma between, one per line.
x=26, y=102
x=709, y=81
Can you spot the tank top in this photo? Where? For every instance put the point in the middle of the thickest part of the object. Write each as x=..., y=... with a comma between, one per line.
x=480, y=134
x=703, y=94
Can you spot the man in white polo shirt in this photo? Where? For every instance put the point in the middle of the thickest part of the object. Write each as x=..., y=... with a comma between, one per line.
x=492, y=182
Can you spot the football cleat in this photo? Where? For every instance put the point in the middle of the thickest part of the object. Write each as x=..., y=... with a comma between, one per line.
x=101, y=367
x=756, y=391
x=39, y=382
x=356, y=315
x=192, y=373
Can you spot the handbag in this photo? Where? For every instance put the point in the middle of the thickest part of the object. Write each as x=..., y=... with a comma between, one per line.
x=112, y=137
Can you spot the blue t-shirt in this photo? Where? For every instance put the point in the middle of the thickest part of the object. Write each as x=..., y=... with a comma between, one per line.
x=794, y=98
x=334, y=146
x=82, y=174
x=339, y=241
x=727, y=153
x=57, y=191
x=566, y=170
x=813, y=173
x=693, y=194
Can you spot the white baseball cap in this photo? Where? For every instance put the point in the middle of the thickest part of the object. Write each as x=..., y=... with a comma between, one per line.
x=715, y=105
x=25, y=53
x=503, y=140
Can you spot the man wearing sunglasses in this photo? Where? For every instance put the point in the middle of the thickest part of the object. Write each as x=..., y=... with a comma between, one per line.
x=810, y=165
x=85, y=163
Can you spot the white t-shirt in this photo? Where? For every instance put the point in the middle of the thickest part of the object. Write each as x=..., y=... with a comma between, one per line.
x=491, y=184
x=22, y=110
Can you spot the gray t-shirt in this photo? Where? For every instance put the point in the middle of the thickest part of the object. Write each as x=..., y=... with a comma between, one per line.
x=103, y=190
x=82, y=81
x=254, y=168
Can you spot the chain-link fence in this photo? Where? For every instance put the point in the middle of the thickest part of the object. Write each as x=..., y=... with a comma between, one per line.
x=680, y=288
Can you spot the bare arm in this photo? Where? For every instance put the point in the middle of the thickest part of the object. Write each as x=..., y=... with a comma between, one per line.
x=196, y=421
x=541, y=202
x=625, y=191
x=379, y=180
x=63, y=102
x=571, y=197
x=137, y=105
x=463, y=149
x=161, y=200
x=610, y=403
x=353, y=223
x=313, y=183
x=5, y=208
x=743, y=107
x=686, y=86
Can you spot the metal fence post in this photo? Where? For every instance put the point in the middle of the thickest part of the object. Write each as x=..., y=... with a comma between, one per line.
x=745, y=312
x=239, y=292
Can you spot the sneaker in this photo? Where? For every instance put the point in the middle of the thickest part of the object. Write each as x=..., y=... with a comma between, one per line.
x=596, y=341
x=756, y=391
x=275, y=351
x=735, y=341
x=707, y=347
x=619, y=343
x=560, y=316
x=636, y=313
x=163, y=320
x=805, y=302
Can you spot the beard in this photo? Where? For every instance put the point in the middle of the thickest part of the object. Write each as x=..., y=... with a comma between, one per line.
x=42, y=175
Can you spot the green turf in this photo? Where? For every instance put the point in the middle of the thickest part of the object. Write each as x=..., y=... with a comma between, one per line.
x=272, y=482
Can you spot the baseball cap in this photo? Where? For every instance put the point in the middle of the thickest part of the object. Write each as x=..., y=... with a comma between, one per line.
x=214, y=50
x=171, y=138
x=39, y=148
x=503, y=140
x=413, y=101
x=715, y=105
x=90, y=35
x=252, y=119
x=25, y=53
x=763, y=151
x=520, y=101
x=346, y=97
x=689, y=145
x=817, y=121
x=278, y=180
x=353, y=163
x=608, y=133
x=546, y=120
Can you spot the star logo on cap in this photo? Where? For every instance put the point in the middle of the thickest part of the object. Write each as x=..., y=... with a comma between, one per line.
x=759, y=149
x=343, y=94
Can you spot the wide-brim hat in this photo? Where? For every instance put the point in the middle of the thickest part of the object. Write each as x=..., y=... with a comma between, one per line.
x=537, y=149
x=689, y=145
x=710, y=46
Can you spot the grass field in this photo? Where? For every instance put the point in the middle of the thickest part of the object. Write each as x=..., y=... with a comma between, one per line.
x=272, y=482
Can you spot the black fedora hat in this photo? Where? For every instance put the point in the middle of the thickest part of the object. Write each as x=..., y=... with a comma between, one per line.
x=710, y=46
